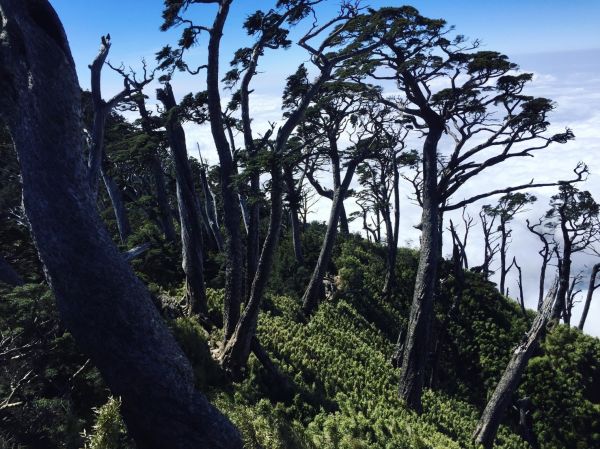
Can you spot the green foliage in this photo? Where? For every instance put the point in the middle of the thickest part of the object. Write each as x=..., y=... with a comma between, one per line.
x=47, y=387
x=563, y=386
x=193, y=339
x=109, y=431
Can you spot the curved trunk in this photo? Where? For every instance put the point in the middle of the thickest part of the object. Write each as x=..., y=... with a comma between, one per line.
x=234, y=273
x=235, y=354
x=416, y=344
x=590, y=292
x=211, y=210
x=310, y=299
x=116, y=199
x=189, y=210
x=106, y=308
x=487, y=427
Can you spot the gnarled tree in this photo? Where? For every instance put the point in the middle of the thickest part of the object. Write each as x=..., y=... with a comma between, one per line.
x=106, y=308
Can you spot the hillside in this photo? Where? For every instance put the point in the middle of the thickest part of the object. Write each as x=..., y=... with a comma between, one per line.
x=344, y=385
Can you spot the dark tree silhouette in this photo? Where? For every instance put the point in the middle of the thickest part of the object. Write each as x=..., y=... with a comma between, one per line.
x=106, y=308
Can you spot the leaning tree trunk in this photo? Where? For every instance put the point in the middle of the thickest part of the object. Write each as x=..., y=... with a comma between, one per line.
x=103, y=304
x=588, y=298
x=118, y=205
x=237, y=349
x=310, y=299
x=488, y=424
x=8, y=275
x=189, y=209
x=416, y=345
x=232, y=214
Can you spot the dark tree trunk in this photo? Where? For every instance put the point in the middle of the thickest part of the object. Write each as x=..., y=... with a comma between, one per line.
x=293, y=197
x=310, y=299
x=503, y=243
x=118, y=205
x=337, y=180
x=234, y=274
x=106, y=308
x=542, y=281
x=416, y=345
x=211, y=210
x=162, y=197
x=390, y=277
x=487, y=427
x=564, y=274
x=8, y=275
x=590, y=292
x=189, y=209
x=253, y=237
x=235, y=353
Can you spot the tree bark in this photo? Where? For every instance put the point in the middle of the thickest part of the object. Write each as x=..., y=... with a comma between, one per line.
x=390, y=277
x=234, y=273
x=564, y=274
x=293, y=198
x=310, y=299
x=211, y=210
x=488, y=424
x=118, y=205
x=106, y=308
x=8, y=275
x=162, y=198
x=416, y=345
x=189, y=209
x=235, y=353
x=590, y=292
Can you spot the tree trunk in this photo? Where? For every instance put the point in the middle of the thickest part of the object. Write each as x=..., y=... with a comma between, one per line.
x=253, y=237
x=488, y=424
x=237, y=349
x=293, y=198
x=416, y=345
x=542, y=281
x=503, y=243
x=564, y=274
x=189, y=209
x=8, y=275
x=162, y=198
x=116, y=199
x=310, y=299
x=106, y=308
x=590, y=292
x=234, y=273
x=211, y=210
x=390, y=278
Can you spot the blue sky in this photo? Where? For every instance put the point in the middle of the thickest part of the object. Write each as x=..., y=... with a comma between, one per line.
x=511, y=26
x=558, y=41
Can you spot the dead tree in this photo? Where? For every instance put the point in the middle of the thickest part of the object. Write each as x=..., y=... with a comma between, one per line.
x=487, y=427
x=97, y=162
x=117, y=325
x=592, y=286
x=544, y=230
x=508, y=206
